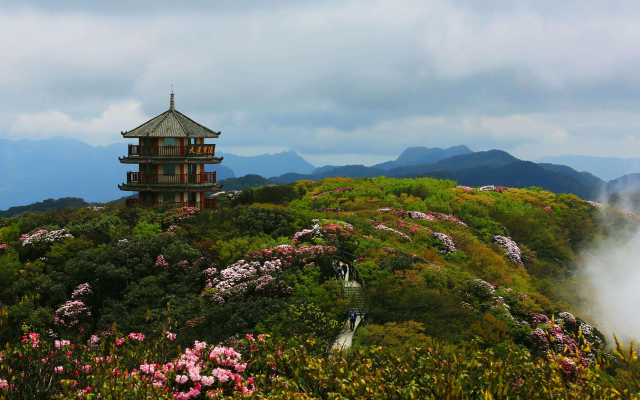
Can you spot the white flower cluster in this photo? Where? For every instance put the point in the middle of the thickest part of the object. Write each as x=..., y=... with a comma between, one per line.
x=81, y=291
x=595, y=204
x=484, y=287
x=231, y=194
x=447, y=241
x=513, y=251
x=381, y=227
x=45, y=236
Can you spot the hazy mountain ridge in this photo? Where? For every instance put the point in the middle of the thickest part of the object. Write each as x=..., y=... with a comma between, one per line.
x=423, y=155
x=267, y=164
x=606, y=168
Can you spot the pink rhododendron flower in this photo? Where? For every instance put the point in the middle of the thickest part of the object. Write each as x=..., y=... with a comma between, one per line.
x=136, y=336
x=119, y=341
x=58, y=369
x=171, y=336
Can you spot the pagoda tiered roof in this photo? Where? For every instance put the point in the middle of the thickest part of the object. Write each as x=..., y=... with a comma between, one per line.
x=171, y=124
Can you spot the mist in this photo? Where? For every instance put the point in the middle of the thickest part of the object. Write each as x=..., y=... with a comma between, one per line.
x=612, y=268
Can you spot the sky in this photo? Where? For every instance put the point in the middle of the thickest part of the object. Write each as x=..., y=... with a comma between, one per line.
x=340, y=82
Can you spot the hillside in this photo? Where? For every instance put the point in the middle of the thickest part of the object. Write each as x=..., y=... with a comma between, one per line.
x=458, y=270
x=493, y=167
x=49, y=204
x=247, y=181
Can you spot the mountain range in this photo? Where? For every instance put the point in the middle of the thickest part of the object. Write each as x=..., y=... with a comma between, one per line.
x=34, y=170
x=606, y=168
x=493, y=167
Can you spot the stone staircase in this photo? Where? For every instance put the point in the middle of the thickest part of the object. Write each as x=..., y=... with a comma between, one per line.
x=354, y=293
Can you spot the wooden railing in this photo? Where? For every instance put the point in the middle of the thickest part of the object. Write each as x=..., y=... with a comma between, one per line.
x=161, y=151
x=137, y=177
x=202, y=205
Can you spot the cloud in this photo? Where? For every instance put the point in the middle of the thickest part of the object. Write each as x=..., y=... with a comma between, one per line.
x=350, y=77
x=101, y=130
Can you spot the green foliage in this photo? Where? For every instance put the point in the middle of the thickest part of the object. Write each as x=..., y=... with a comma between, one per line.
x=145, y=230
x=417, y=294
x=255, y=220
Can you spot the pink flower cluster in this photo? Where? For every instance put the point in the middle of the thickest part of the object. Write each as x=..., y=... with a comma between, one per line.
x=467, y=188
x=200, y=372
x=449, y=246
x=344, y=189
x=137, y=337
x=81, y=291
x=68, y=314
x=231, y=194
x=161, y=262
x=383, y=228
x=243, y=276
x=513, y=251
x=3, y=246
x=483, y=288
x=44, y=235
x=426, y=215
x=595, y=204
x=411, y=227
x=492, y=188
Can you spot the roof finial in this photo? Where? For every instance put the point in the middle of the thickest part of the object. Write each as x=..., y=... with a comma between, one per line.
x=172, y=104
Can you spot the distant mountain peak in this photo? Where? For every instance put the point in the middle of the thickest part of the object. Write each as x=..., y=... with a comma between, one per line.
x=423, y=155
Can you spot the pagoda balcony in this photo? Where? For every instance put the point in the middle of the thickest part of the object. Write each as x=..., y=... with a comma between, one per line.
x=202, y=205
x=172, y=179
x=170, y=151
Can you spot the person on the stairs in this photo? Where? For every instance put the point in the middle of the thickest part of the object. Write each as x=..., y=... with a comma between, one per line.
x=352, y=318
x=344, y=271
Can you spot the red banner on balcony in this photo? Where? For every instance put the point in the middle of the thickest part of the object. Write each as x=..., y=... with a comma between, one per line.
x=200, y=149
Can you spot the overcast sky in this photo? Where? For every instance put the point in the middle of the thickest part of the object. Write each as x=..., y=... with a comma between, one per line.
x=340, y=82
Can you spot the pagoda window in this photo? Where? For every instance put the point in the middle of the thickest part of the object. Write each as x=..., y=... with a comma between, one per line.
x=169, y=169
x=148, y=142
x=147, y=197
x=191, y=197
x=170, y=141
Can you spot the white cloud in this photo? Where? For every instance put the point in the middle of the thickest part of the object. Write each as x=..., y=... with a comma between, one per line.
x=102, y=130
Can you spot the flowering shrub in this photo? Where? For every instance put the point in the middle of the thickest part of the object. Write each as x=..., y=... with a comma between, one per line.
x=466, y=188
x=3, y=246
x=161, y=262
x=595, y=204
x=427, y=215
x=383, y=228
x=69, y=313
x=258, y=274
x=344, y=189
x=74, y=371
x=513, y=251
x=43, y=235
x=492, y=188
x=446, y=240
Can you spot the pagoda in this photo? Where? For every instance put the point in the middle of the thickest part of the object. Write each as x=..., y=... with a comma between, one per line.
x=171, y=155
